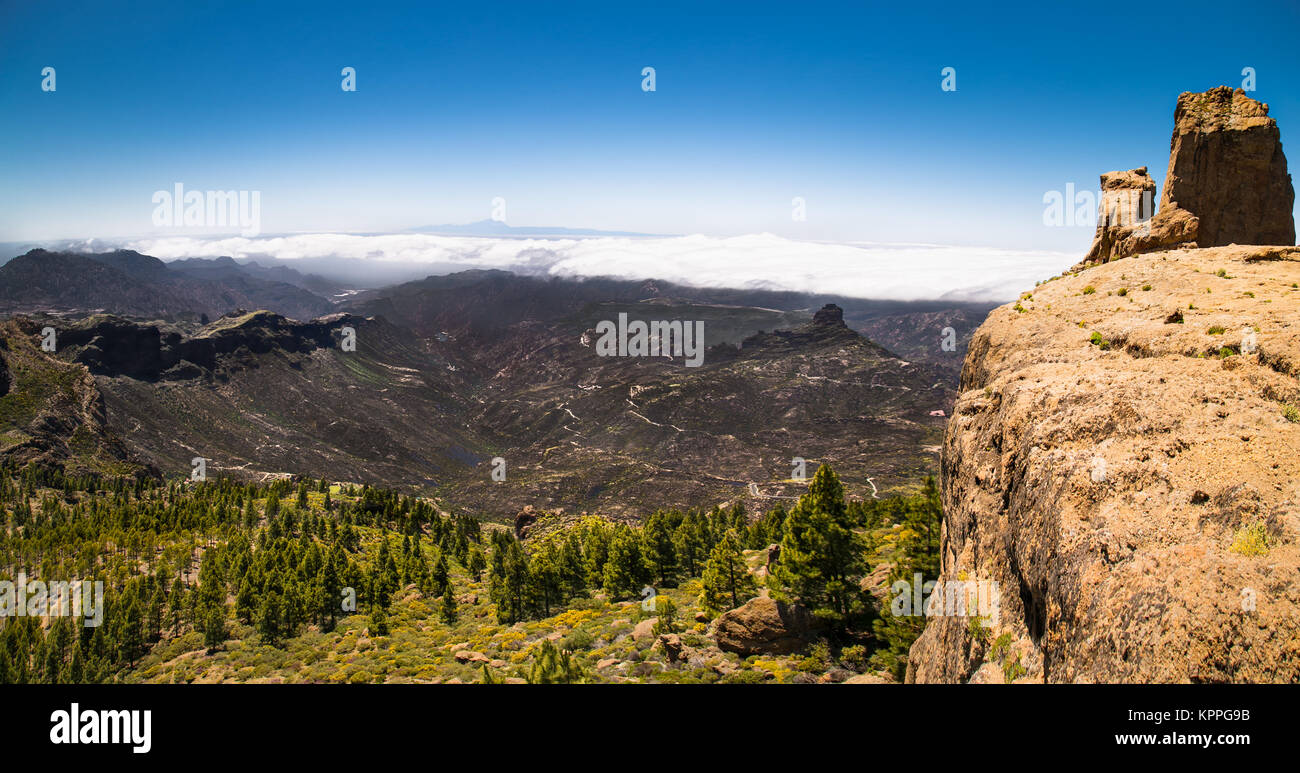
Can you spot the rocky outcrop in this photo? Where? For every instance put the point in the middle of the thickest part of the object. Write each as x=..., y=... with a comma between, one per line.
x=1123, y=217
x=764, y=625
x=524, y=519
x=1227, y=184
x=54, y=413
x=1124, y=462
x=113, y=346
x=1226, y=167
x=830, y=314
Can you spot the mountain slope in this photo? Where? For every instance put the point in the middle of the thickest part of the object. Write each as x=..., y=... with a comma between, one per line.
x=128, y=283
x=52, y=412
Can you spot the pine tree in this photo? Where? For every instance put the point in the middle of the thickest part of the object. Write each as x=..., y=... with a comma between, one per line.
x=448, y=610
x=378, y=621
x=440, y=574
x=477, y=563
x=246, y=602
x=666, y=611
x=690, y=540
x=626, y=572
x=269, y=618
x=214, y=628
x=551, y=666
x=726, y=583
x=508, y=580
x=822, y=558
x=657, y=543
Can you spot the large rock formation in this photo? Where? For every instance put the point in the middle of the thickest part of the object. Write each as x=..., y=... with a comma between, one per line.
x=1124, y=219
x=1226, y=167
x=1227, y=184
x=1124, y=461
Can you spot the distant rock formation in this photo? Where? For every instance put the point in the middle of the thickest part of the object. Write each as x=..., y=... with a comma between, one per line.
x=1227, y=184
x=830, y=314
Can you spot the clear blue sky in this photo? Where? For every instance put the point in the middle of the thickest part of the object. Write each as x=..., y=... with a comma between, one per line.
x=541, y=103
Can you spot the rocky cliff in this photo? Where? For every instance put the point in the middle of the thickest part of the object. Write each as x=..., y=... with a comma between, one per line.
x=1124, y=461
x=1227, y=184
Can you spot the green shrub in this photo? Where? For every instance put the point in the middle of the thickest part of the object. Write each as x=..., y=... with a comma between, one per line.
x=577, y=641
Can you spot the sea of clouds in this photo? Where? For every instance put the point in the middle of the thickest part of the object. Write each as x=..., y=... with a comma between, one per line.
x=858, y=269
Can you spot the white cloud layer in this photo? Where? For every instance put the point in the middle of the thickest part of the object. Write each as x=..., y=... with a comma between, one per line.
x=862, y=269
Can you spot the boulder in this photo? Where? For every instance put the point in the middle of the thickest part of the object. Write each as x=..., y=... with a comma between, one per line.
x=644, y=630
x=526, y=517
x=672, y=645
x=867, y=679
x=764, y=625
x=473, y=658
x=773, y=556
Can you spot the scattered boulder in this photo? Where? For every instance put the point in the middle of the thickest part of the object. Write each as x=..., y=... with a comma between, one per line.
x=672, y=645
x=526, y=517
x=773, y=556
x=867, y=679
x=473, y=658
x=644, y=630
x=764, y=625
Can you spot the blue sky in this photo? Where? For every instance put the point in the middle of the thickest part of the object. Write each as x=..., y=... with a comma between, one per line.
x=541, y=104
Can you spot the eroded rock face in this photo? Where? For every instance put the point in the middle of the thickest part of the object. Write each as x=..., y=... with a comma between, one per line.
x=1113, y=486
x=1227, y=184
x=1226, y=167
x=1128, y=202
